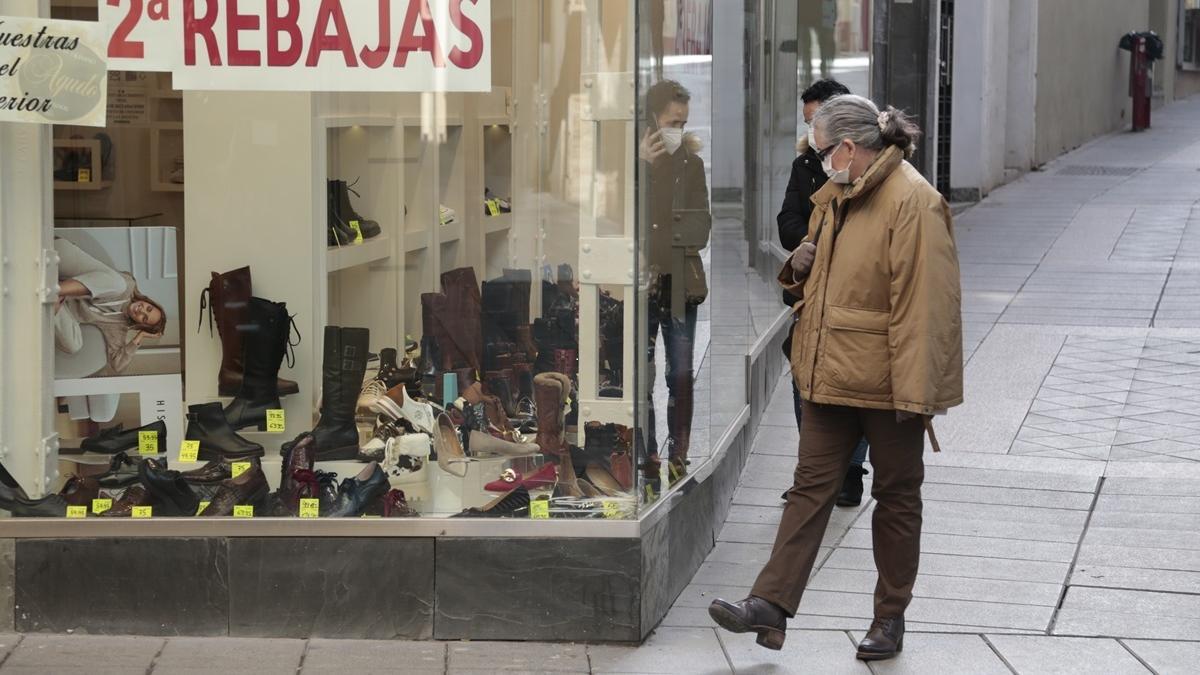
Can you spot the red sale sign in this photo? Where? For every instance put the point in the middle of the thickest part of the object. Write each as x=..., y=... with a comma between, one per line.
x=305, y=45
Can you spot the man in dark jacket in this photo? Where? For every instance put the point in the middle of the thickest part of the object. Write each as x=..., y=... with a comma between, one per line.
x=807, y=178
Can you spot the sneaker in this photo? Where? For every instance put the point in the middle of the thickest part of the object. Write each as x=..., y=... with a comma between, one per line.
x=372, y=391
x=397, y=404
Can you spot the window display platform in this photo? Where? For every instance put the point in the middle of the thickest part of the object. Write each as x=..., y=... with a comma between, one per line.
x=593, y=580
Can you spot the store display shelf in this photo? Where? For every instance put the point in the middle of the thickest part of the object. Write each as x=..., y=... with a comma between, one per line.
x=418, y=240
x=371, y=250
x=342, y=121
x=90, y=185
x=500, y=223
x=453, y=232
x=161, y=186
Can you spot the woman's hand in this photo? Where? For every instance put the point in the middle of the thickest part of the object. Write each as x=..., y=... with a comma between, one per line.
x=142, y=335
x=802, y=259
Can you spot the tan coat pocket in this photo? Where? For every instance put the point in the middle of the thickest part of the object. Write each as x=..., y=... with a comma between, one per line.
x=856, y=355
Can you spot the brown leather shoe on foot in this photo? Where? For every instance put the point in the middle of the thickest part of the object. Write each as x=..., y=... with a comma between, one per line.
x=883, y=641
x=752, y=615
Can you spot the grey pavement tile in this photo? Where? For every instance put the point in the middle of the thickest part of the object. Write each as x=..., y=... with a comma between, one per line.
x=1097, y=622
x=960, y=566
x=804, y=651
x=8, y=642
x=1020, y=514
x=726, y=574
x=1160, y=521
x=1044, y=655
x=690, y=617
x=960, y=612
x=667, y=650
x=945, y=588
x=756, y=515
x=933, y=653
x=230, y=655
x=754, y=496
x=972, y=527
x=1136, y=556
x=1012, y=496
x=740, y=554
x=61, y=653
x=992, y=547
x=1165, y=657
x=702, y=595
x=1108, y=576
x=1177, y=605
x=1113, y=536
x=374, y=656
x=517, y=656
x=1015, y=479
x=1142, y=504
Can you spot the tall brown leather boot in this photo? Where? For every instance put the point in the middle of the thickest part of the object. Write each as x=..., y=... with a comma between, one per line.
x=550, y=399
x=228, y=296
x=463, y=319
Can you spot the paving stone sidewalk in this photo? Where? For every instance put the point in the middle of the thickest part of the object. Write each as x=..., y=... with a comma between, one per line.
x=1062, y=522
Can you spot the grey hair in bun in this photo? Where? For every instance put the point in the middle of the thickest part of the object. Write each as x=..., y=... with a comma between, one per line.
x=855, y=118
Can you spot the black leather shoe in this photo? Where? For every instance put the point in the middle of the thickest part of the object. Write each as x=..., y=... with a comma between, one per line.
x=118, y=439
x=169, y=488
x=852, y=487
x=883, y=641
x=361, y=492
x=514, y=503
x=207, y=424
x=50, y=506
x=752, y=615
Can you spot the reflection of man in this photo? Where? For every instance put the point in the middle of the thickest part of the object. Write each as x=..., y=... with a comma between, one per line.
x=92, y=293
x=676, y=226
x=818, y=16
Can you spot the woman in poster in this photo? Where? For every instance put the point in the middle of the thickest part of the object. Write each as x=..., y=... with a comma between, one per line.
x=92, y=293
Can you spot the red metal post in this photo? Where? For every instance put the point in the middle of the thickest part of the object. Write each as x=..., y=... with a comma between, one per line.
x=1140, y=85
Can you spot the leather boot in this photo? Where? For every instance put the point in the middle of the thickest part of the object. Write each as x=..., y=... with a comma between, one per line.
x=264, y=344
x=339, y=234
x=207, y=424
x=463, y=318
x=343, y=368
x=752, y=615
x=621, y=461
x=525, y=345
x=852, y=486
x=298, y=455
x=884, y=640
x=679, y=420
x=498, y=384
x=550, y=399
x=524, y=375
x=520, y=283
x=346, y=212
x=227, y=298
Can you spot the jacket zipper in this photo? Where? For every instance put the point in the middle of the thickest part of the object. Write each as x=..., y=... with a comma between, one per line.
x=838, y=220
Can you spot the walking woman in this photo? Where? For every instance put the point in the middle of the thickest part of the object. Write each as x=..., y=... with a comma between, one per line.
x=877, y=351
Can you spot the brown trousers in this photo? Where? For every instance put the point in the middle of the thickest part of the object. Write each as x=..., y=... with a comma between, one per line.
x=828, y=436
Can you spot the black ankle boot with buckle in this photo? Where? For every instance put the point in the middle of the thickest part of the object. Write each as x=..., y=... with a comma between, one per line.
x=884, y=640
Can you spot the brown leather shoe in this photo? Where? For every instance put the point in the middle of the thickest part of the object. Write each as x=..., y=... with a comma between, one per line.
x=298, y=456
x=209, y=474
x=80, y=491
x=883, y=641
x=249, y=488
x=136, y=495
x=752, y=615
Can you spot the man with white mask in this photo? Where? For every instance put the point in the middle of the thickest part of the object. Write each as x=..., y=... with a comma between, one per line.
x=675, y=226
x=809, y=174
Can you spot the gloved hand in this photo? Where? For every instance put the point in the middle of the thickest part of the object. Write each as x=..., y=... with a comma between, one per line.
x=802, y=259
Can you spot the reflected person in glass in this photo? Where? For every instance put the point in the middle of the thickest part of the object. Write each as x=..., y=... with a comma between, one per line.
x=676, y=223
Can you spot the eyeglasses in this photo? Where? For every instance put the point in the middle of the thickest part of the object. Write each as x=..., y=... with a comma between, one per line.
x=822, y=154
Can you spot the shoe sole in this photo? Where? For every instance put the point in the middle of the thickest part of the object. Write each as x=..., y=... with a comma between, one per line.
x=872, y=656
x=771, y=638
x=207, y=454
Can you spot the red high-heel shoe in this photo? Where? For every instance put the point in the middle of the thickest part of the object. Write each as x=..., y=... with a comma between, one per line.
x=545, y=477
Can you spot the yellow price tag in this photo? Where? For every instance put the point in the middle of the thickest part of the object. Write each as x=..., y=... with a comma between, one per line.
x=84, y=176
x=189, y=451
x=275, y=421
x=77, y=512
x=611, y=509
x=239, y=468
x=143, y=511
x=101, y=505
x=243, y=511
x=539, y=509
x=493, y=207
x=201, y=507
x=310, y=508
x=358, y=236
x=148, y=442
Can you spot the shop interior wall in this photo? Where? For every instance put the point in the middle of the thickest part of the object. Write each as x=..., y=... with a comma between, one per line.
x=1083, y=79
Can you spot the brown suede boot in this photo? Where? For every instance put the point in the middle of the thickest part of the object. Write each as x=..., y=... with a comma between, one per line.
x=550, y=399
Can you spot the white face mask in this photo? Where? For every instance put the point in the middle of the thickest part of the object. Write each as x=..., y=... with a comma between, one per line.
x=672, y=138
x=840, y=177
x=812, y=138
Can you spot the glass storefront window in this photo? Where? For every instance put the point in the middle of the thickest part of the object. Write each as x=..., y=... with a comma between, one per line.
x=298, y=301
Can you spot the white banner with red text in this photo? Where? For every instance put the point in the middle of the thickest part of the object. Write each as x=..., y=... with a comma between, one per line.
x=305, y=45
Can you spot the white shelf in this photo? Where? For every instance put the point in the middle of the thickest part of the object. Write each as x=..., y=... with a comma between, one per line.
x=343, y=121
x=371, y=250
x=500, y=223
x=452, y=232
x=416, y=241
